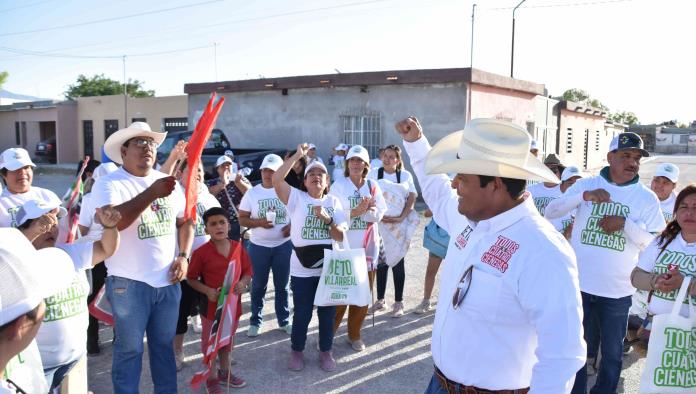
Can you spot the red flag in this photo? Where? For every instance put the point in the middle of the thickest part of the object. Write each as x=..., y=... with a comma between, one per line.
x=194, y=149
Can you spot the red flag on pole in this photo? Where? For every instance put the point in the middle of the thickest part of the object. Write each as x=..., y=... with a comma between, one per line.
x=194, y=149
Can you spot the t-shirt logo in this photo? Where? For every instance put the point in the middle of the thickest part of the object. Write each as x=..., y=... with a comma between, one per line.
x=356, y=223
x=463, y=238
x=273, y=204
x=13, y=215
x=593, y=234
x=499, y=254
x=157, y=221
x=668, y=261
x=314, y=228
x=67, y=303
x=541, y=203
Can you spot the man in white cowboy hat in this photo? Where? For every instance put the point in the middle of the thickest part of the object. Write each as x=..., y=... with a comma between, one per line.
x=616, y=218
x=144, y=273
x=17, y=172
x=509, y=316
x=27, y=277
x=664, y=183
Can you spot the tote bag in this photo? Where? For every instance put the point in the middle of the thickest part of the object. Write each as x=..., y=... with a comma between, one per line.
x=343, y=278
x=669, y=368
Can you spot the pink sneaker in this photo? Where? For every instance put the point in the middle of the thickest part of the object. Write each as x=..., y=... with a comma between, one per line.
x=326, y=361
x=213, y=386
x=296, y=362
x=234, y=381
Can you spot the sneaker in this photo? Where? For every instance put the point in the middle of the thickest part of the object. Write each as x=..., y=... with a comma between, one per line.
x=378, y=306
x=287, y=328
x=358, y=345
x=296, y=362
x=212, y=386
x=197, y=325
x=179, y=359
x=235, y=381
x=424, y=307
x=326, y=361
x=253, y=331
x=398, y=309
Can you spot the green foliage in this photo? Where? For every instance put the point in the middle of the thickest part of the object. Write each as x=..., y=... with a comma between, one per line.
x=624, y=117
x=3, y=77
x=99, y=85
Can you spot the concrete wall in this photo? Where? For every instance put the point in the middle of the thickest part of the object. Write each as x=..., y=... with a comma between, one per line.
x=573, y=126
x=66, y=133
x=31, y=117
x=504, y=104
x=101, y=108
x=268, y=119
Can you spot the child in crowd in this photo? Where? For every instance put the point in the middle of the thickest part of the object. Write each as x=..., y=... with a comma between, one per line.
x=206, y=274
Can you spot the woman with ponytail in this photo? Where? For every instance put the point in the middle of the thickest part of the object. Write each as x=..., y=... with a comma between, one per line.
x=670, y=257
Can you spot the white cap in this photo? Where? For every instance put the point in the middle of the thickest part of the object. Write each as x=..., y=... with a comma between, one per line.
x=33, y=209
x=15, y=158
x=571, y=171
x=222, y=160
x=103, y=169
x=358, y=151
x=229, y=153
x=315, y=163
x=533, y=145
x=272, y=162
x=311, y=146
x=341, y=147
x=669, y=171
x=27, y=275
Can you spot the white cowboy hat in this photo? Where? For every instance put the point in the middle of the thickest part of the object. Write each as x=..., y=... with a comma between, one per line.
x=112, y=146
x=488, y=147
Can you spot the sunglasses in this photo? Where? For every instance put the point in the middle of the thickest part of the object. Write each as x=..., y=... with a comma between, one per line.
x=142, y=143
x=462, y=287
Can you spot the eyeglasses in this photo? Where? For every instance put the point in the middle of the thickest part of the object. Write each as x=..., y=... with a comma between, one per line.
x=462, y=287
x=142, y=143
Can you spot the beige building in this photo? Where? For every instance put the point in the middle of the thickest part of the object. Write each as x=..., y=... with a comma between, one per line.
x=100, y=116
x=582, y=137
x=80, y=127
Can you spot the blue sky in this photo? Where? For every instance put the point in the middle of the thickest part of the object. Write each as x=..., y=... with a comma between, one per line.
x=633, y=55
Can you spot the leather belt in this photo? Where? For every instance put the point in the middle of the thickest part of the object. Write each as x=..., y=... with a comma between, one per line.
x=452, y=387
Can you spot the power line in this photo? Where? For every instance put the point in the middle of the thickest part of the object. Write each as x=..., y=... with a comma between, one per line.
x=558, y=5
x=65, y=55
x=25, y=5
x=16, y=33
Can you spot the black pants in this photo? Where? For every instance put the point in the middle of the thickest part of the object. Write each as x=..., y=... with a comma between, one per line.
x=188, y=306
x=98, y=277
x=399, y=275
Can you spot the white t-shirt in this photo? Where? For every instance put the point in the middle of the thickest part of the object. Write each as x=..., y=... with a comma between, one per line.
x=204, y=203
x=542, y=196
x=605, y=261
x=26, y=371
x=62, y=337
x=338, y=170
x=667, y=207
x=259, y=200
x=350, y=197
x=306, y=229
x=87, y=211
x=679, y=253
x=406, y=178
x=10, y=203
x=148, y=245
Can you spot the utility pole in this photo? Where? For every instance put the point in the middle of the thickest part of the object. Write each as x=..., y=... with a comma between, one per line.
x=215, y=44
x=125, y=95
x=512, y=56
x=471, y=58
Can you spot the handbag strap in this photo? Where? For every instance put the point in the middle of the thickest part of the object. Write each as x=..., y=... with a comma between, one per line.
x=683, y=292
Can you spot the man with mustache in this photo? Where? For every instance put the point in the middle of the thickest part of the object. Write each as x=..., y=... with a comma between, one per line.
x=616, y=218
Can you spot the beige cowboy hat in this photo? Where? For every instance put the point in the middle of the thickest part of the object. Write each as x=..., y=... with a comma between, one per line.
x=112, y=146
x=488, y=147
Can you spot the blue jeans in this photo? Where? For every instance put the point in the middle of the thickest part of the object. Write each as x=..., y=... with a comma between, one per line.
x=263, y=260
x=435, y=387
x=139, y=308
x=611, y=316
x=303, y=290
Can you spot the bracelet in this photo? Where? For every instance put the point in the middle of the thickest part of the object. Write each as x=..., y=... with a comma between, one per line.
x=108, y=228
x=330, y=221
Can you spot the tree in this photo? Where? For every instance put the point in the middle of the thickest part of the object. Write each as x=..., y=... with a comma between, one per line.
x=3, y=77
x=581, y=96
x=624, y=117
x=99, y=85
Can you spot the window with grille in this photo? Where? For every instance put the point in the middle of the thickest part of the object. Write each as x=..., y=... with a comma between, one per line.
x=110, y=127
x=175, y=124
x=596, y=142
x=684, y=139
x=569, y=140
x=138, y=120
x=363, y=128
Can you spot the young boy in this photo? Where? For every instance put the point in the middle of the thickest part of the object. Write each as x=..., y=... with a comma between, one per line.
x=206, y=274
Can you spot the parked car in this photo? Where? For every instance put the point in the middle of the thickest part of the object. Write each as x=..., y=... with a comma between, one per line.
x=46, y=150
x=217, y=145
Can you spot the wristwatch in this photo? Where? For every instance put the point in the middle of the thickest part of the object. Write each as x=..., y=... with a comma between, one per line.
x=184, y=255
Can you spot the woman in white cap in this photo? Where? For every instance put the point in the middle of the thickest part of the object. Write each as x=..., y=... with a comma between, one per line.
x=312, y=154
x=316, y=220
x=339, y=161
x=17, y=172
x=363, y=199
x=392, y=170
x=228, y=188
x=189, y=297
x=664, y=184
x=269, y=246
